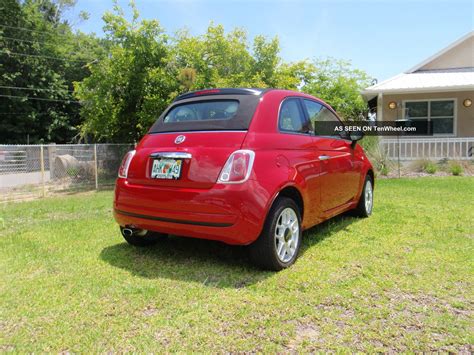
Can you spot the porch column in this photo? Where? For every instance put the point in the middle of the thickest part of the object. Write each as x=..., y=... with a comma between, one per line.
x=380, y=107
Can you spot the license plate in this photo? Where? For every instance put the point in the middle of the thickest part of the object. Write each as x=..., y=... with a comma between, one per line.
x=166, y=169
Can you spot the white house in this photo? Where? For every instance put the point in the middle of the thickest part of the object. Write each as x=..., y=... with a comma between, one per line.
x=440, y=90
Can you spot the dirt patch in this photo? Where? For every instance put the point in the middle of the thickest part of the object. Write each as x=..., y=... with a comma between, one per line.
x=411, y=315
x=421, y=302
x=304, y=332
x=6, y=348
x=150, y=311
x=414, y=174
x=312, y=335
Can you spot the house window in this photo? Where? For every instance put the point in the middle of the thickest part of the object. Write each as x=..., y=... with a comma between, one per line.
x=439, y=113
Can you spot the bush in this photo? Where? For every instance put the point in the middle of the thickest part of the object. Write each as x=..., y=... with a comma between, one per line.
x=417, y=166
x=370, y=143
x=384, y=170
x=455, y=168
x=424, y=166
x=72, y=171
x=430, y=167
x=83, y=171
x=379, y=159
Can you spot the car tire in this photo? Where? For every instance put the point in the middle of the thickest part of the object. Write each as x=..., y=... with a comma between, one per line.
x=278, y=245
x=141, y=238
x=366, y=200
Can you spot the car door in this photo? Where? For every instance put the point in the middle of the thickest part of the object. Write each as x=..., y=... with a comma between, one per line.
x=339, y=175
x=296, y=145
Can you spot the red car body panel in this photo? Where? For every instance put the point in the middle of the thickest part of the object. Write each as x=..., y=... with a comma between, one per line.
x=209, y=151
x=197, y=206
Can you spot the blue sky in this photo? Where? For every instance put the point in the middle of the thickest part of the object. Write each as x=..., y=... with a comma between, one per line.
x=383, y=38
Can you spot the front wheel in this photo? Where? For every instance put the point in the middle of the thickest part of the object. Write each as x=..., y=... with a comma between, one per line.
x=366, y=201
x=279, y=243
x=140, y=237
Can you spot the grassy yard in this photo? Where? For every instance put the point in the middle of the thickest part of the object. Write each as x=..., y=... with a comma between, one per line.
x=400, y=280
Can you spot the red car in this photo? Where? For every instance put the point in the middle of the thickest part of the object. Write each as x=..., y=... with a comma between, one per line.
x=245, y=167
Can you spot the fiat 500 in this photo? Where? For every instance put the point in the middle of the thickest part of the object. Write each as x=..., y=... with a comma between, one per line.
x=245, y=167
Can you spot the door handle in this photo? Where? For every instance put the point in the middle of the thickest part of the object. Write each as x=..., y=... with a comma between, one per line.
x=324, y=157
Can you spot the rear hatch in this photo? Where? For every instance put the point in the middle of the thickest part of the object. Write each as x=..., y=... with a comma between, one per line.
x=206, y=153
x=191, y=141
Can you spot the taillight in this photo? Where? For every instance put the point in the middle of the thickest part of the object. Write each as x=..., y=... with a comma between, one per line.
x=238, y=167
x=123, y=170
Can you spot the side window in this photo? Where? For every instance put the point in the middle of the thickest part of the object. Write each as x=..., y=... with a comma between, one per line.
x=291, y=117
x=321, y=118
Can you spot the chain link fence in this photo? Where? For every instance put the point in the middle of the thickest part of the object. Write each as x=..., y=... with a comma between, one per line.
x=33, y=171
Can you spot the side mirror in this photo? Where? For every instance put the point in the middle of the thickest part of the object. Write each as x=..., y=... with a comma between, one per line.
x=344, y=135
x=356, y=136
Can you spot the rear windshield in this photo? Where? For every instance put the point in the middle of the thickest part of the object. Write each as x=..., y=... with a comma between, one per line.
x=201, y=111
x=221, y=112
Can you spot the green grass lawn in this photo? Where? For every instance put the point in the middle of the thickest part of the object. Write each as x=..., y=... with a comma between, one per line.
x=400, y=280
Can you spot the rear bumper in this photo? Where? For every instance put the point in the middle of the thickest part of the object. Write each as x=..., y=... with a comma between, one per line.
x=233, y=213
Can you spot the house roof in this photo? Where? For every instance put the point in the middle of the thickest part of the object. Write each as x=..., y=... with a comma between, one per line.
x=441, y=52
x=419, y=79
x=426, y=81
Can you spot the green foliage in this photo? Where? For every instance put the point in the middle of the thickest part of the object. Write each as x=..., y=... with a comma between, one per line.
x=430, y=167
x=226, y=60
x=370, y=143
x=424, y=165
x=145, y=70
x=455, y=168
x=40, y=57
x=384, y=170
x=123, y=82
x=127, y=89
x=378, y=157
x=337, y=83
x=72, y=171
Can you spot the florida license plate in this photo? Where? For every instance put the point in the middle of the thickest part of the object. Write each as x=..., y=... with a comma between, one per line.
x=166, y=169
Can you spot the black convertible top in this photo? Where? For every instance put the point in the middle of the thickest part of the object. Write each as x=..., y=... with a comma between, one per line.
x=220, y=91
x=248, y=100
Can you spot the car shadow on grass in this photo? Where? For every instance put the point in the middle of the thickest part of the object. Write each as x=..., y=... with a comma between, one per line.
x=209, y=263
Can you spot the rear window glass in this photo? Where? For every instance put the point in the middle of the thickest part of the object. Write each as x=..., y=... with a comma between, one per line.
x=218, y=113
x=202, y=111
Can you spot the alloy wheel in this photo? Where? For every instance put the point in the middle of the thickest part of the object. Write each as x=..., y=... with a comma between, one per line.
x=287, y=235
x=369, y=196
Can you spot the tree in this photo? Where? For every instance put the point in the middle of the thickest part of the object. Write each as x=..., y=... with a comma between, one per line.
x=40, y=56
x=217, y=59
x=337, y=83
x=132, y=85
x=123, y=82
x=145, y=69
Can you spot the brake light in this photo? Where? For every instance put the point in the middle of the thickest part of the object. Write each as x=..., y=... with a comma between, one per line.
x=238, y=167
x=123, y=170
x=207, y=92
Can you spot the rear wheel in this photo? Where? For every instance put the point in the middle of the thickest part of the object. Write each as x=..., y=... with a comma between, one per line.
x=366, y=201
x=279, y=243
x=140, y=237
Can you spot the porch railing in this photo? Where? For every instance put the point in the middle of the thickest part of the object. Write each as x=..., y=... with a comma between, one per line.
x=429, y=148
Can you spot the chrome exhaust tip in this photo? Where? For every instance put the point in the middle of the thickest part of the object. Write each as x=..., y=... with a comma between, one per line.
x=130, y=231
x=127, y=232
